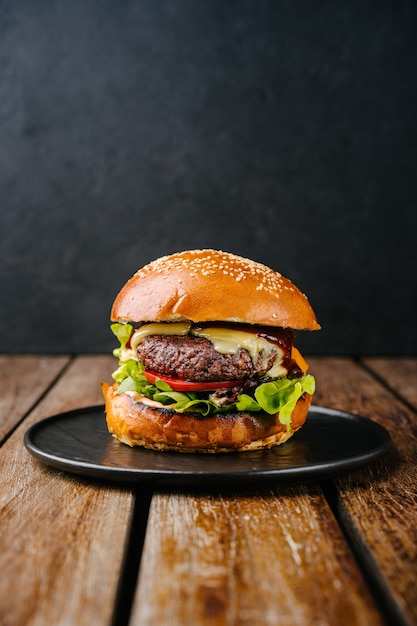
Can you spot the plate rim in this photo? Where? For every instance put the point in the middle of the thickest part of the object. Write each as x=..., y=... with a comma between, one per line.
x=178, y=477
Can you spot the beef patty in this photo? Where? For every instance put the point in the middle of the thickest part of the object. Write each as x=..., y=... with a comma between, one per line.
x=193, y=359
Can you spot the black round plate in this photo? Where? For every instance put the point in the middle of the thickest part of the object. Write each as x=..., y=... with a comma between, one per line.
x=331, y=442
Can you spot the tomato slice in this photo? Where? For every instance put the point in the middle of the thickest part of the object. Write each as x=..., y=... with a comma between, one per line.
x=179, y=384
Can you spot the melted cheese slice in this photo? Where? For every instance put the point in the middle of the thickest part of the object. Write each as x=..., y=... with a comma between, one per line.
x=176, y=328
x=299, y=359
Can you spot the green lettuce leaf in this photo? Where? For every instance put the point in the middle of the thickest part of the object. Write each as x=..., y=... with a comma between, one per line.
x=122, y=332
x=182, y=402
x=283, y=394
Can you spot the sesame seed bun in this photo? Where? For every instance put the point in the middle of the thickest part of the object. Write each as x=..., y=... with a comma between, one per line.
x=210, y=285
x=137, y=424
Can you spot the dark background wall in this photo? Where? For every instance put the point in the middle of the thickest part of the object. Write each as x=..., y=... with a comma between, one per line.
x=280, y=130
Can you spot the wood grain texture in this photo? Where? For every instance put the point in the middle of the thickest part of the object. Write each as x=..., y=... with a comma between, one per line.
x=378, y=504
x=399, y=374
x=23, y=380
x=277, y=556
x=62, y=539
x=273, y=558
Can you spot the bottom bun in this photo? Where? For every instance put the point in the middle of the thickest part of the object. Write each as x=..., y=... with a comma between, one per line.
x=137, y=424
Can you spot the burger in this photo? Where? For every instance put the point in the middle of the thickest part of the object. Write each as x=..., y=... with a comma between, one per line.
x=206, y=361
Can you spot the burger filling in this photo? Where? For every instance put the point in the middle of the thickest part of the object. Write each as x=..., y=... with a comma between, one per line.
x=211, y=368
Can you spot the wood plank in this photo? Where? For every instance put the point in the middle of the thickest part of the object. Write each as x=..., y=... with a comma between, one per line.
x=62, y=538
x=23, y=380
x=399, y=374
x=276, y=557
x=378, y=503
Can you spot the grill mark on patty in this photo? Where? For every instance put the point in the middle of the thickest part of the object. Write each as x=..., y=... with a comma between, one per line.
x=193, y=359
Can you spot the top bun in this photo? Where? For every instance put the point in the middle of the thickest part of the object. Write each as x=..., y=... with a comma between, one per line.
x=210, y=285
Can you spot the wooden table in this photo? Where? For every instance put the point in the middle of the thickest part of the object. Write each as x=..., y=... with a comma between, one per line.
x=336, y=552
